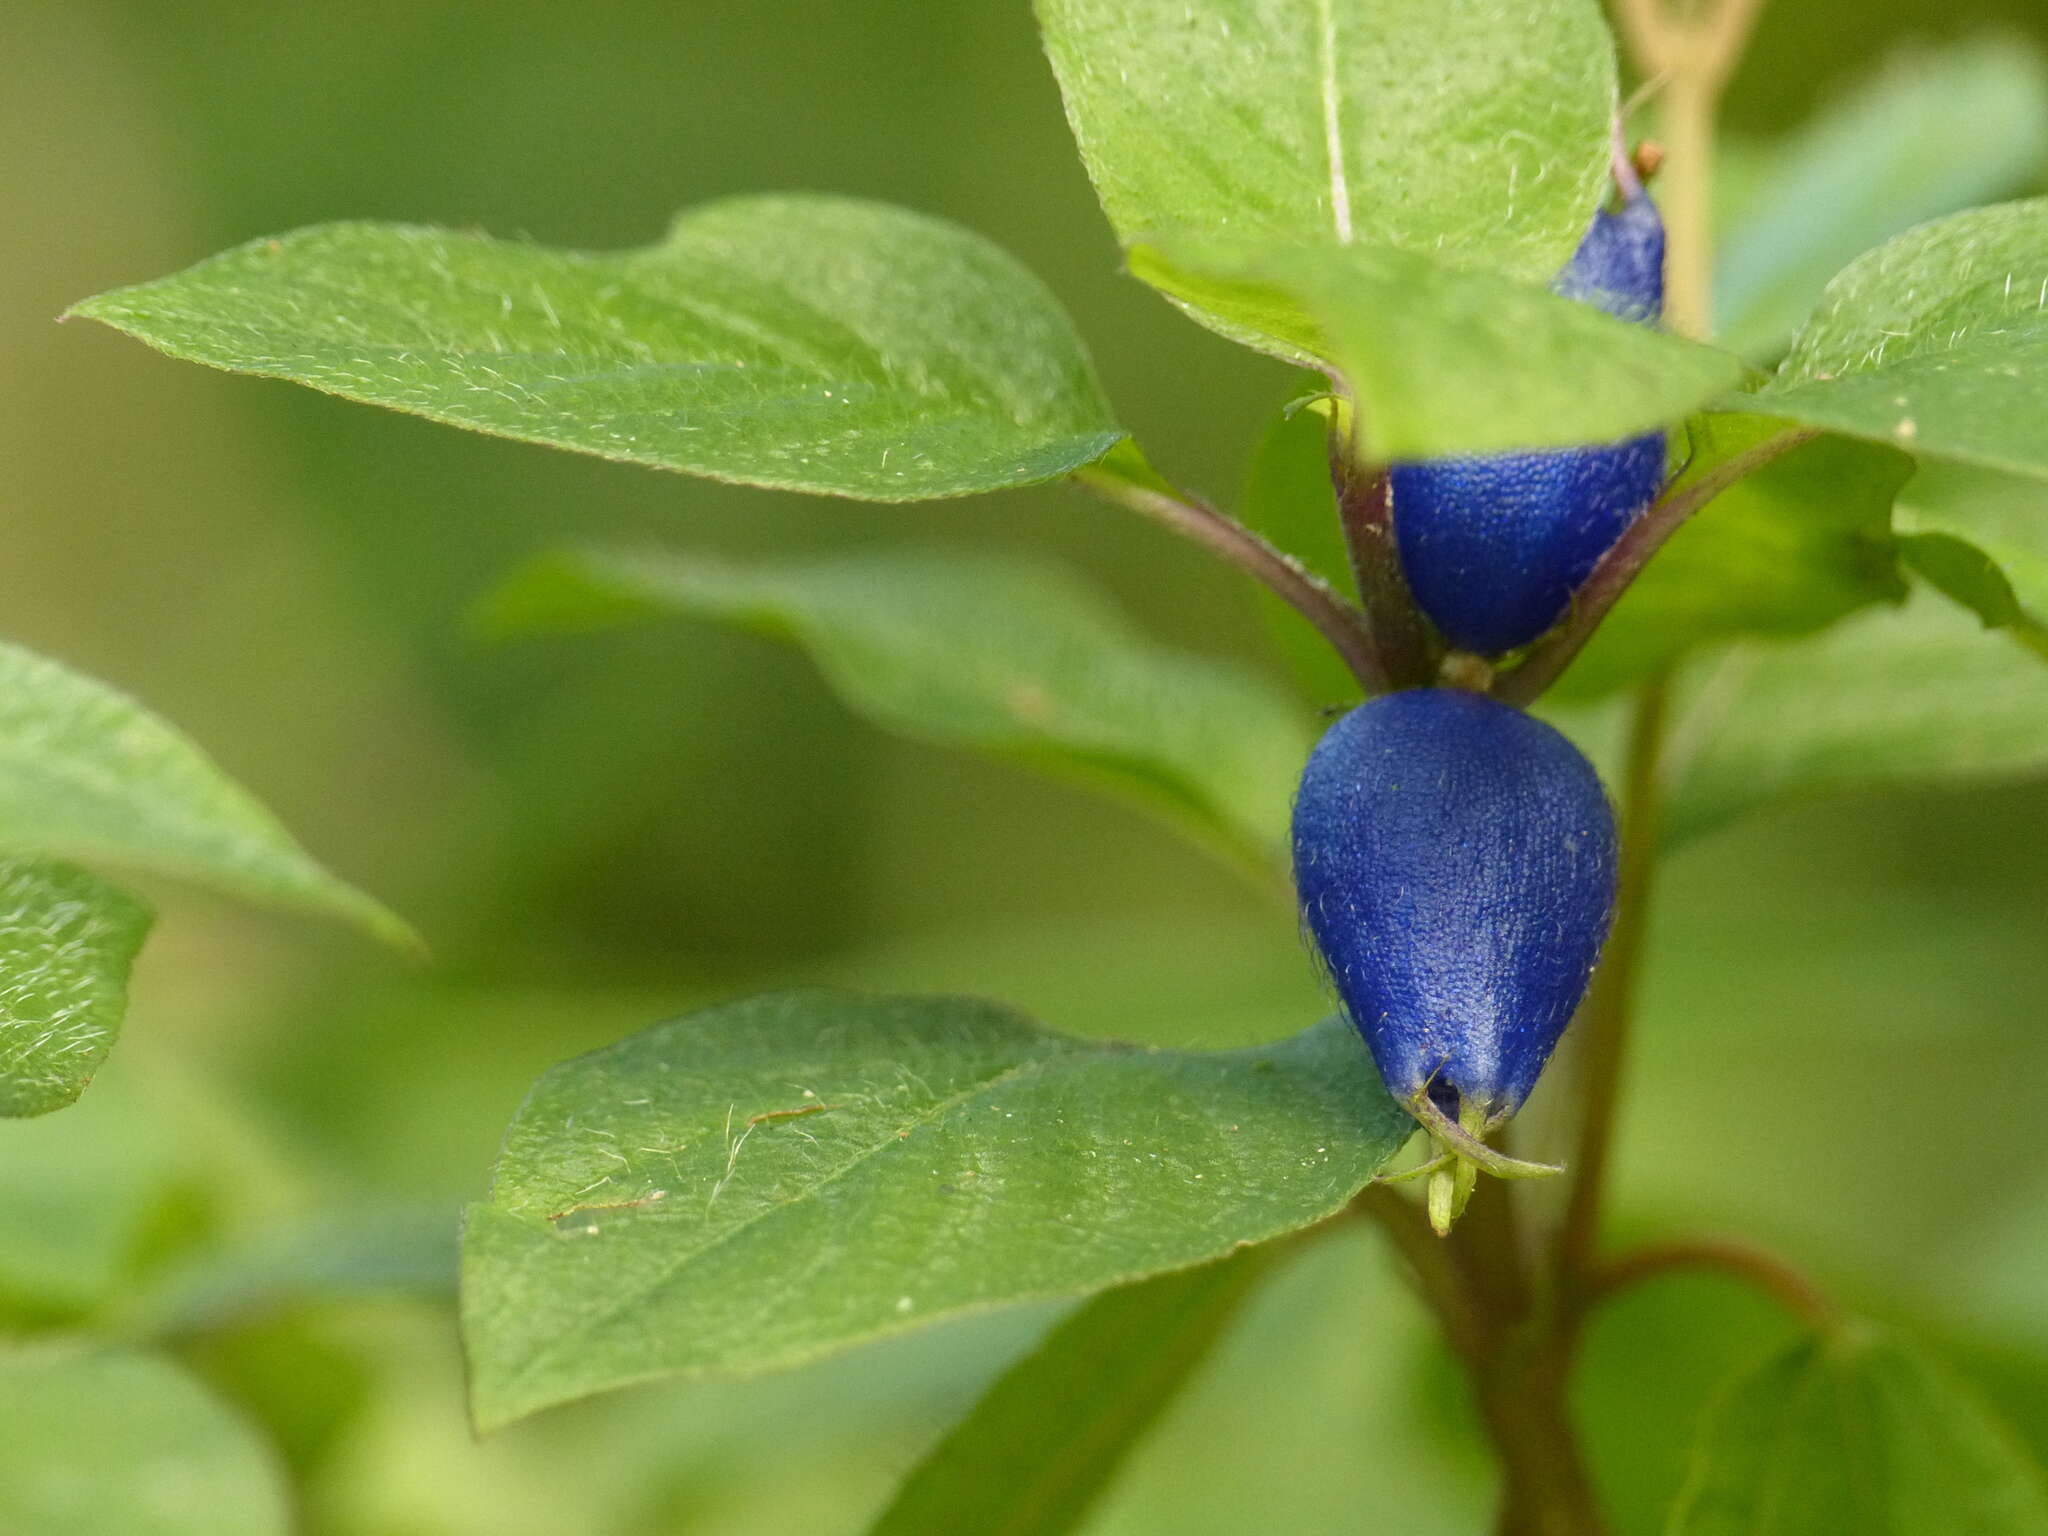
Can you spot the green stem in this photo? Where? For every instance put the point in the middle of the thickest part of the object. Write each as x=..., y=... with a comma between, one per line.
x=1339, y=622
x=1477, y=1286
x=1690, y=101
x=1407, y=648
x=1754, y=1266
x=1604, y=1021
x=1624, y=561
x=1438, y=1280
x=1517, y=1330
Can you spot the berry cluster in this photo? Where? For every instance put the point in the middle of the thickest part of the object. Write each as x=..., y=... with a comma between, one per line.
x=1455, y=858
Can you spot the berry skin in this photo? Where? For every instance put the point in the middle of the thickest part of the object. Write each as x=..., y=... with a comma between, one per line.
x=1494, y=547
x=1455, y=864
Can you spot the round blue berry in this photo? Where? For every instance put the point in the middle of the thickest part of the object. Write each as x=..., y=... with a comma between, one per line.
x=1495, y=546
x=1455, y=863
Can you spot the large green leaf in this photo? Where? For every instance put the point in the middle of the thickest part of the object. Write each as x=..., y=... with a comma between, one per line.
x=66, y=943
x=1940, y=129
x=1039, y=1449
x=1917, y=695
x=1445, y=361
x=106, y=1442
x=803, y=343
x=1784, y=552
x=761, y=1183
x=1936, y=342
x=87, y=774
x=1981, y=537
x=1000, y=652
x=1476, y=129
x=1858, y=1431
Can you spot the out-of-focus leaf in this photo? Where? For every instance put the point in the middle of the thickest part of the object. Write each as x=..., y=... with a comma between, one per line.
x=1039, y=1449
x=1917, y=695
x=1982, y=538
x=103, y=1443
x=1638, y=1425
x=1786, y=551
x=1966, y=573
x=1443, y=360
x=86, y=773
x=76, y=1192
x=1288, y=499
x=999, y=652
x=385, y=1248
x=66, y=943
x=802, y=343
x=1936, y=342
x=1938, y=130
x=761, y=1183
x=1476, y=129
x=1858, y=1431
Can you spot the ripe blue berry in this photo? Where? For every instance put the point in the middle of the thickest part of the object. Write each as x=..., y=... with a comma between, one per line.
x=1494, y=547
x=1455, y=863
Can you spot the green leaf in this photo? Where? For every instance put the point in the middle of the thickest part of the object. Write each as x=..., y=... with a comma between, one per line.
x=1444, y=361
x=1045, y=1442
x=1968, y=574
x=1982, y=538
x=1936, y=342
x=66, y=943
x=378, y=1248
x=1858, y=1431
x=106, y=1442
x=1784, y=552
x=801, y=343
x=87, y=774
x=1940, y=129
x=1916, y=695
x=1290, y=501
x=1476, y=129
x=77, y=1192
x=761, y=1183
x=999, y=652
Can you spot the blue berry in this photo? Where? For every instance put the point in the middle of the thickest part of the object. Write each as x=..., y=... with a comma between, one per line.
x=1455, y=864
x=1494, y=547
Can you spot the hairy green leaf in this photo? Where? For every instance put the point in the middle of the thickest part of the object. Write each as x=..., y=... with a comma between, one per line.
x=797, y=342
x=1786, y=551
x=1917, y=695
x=1938, y=130
x=87, y=774
x=1039, y=1449
x=1858, y=1431
x=105, y=1442
x=1476, y=129
x=66, y=943
x=1936, y=342
x=1000, y=652
x=761, y=1183
x=1445, y=361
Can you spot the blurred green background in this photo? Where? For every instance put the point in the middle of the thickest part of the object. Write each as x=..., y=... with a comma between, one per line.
x=1843, y=1047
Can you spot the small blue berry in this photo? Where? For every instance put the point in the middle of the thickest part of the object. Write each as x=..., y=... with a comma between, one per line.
x=1494, y=547
x=1455, y=864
